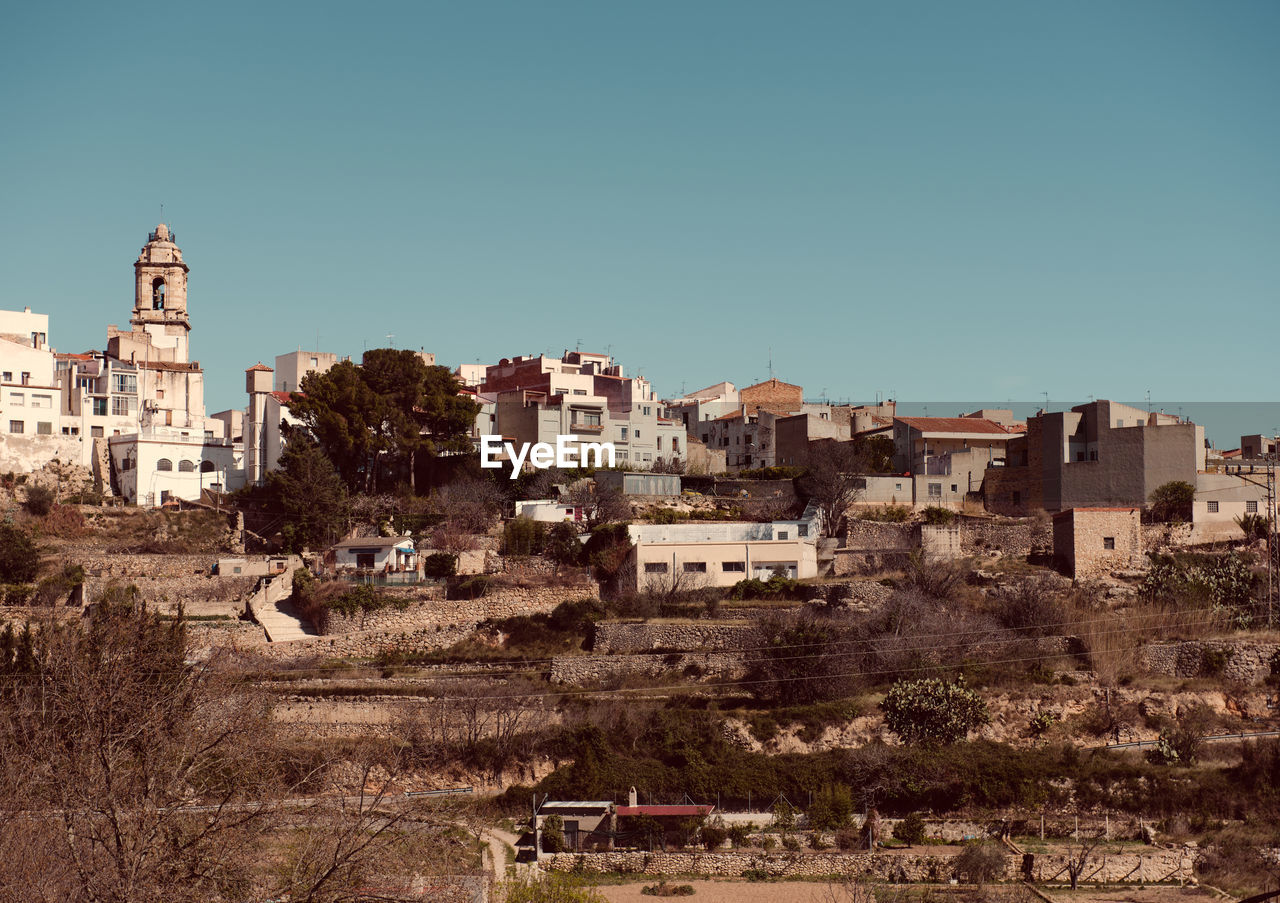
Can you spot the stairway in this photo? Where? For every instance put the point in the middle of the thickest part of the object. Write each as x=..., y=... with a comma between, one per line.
x=281, y=624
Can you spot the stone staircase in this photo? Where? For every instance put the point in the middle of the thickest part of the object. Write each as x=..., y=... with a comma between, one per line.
x=271, y=609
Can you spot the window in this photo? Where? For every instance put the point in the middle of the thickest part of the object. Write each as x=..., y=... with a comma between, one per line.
x=897, y=487
x=41, y=401
x=8, y=376
x=782, y=534
x=44, y=428
x=123, y=405
x=157, y=294
x=1251, y=507
x=159, y=393
x=164, y=464
x=100, y=407
x=1079, y=456
x=206, y=467
x=706, y=437
x=955, y=487
x=695, y=567
x=802, y=530
x=26, y=377
x=734, y=567
x=647, y=411
x=1108, y=542
x=124, y=382
x=95, y=432
x=588, y=418
x=126, y=464
x=15, y=426
x=935, y=490
x=655, y=567
x=579, y=391
x=659, y=443
x=315, y=363
x=675, y=444
x=17, y=399
x=1093, y=455
x=1213, y=507
x=1017, y=497
x=186, y=466
x=637, y=434
x=624, y=434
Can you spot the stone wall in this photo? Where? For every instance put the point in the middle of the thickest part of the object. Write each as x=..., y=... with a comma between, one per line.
x=941, y=542
x=1148, y=865
x=429, y=608
x=430, y=624
x=168, y=581
x=1081, y=536
x=615, y=637
x=1015, y=539
x=1247, y=662
x=580, y=670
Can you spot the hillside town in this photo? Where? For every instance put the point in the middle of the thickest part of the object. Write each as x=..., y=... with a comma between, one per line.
x=512, y=625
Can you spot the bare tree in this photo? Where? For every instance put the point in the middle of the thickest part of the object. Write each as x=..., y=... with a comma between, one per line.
x=1078, y=859
x=833, y=478
x=599, y=505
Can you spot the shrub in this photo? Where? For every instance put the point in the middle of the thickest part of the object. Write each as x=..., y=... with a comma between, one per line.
x=848, y=839
x=938, y=516
x=19, y=558
x=1031, y=606
x=714, y=836
x=818, y=842
x=663, y=889
x=932, y=710
x=553, y=835
x=740, y=834
x=1171, y=502
x=467, y=587
x=889, y=514
x=777, y=587
x=791, y=844
x=910, y=830
x=523, y=536
x=39, y=500
x=980, y=862
x=440, y=565
x=832, y=808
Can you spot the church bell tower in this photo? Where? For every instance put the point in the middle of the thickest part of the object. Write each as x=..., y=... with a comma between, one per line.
x=160, y=294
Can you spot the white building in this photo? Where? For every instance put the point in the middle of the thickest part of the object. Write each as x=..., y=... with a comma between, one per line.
x=691, y=556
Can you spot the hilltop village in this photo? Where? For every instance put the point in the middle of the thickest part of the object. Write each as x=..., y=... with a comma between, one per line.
x=364, y=636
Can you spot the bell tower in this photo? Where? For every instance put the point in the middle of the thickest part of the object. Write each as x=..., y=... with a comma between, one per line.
x=160, y=294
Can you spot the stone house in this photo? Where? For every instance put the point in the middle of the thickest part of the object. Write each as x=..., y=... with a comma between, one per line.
x=1092, y=542
x=373, y=554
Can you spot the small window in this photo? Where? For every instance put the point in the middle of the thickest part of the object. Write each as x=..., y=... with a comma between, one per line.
x=624, y=433
x=95, y=432
x=15, y=426
x=44, y=428
x=26, y=377
x=41, y=401
x=314, y=362
x=1213, y=507
x=655, y=567
x=18, y=399
x=782, y=534
x=164, y=464
x=1251, y=507
x=235, y=570
x=736, y=567
x=1017, y=497
x=100, y=407
x=935, y=490
x=206, y=467
x=579, y=391
x=8, y=376
x=955, y=487
x=1108, y=542
x=802, y=530
x=637, y=434
x=695, y=567
x=187, y=466
x=1093, y=455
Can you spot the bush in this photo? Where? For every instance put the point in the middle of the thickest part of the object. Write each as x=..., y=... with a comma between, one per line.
x=980, y=862
x=553, y=835
x=888, y=514
x=39, y=501
x=467, y=587
x=832, y=808
x=848, y=839
x=19, y=558
x=714, y=836
x=910, y=830
x=932, y=710
x=777, y=587
x=818, y=842
x=663, y=889
x=1171, y=502
x=440, y=565
x=938, y=516
x=523, y=536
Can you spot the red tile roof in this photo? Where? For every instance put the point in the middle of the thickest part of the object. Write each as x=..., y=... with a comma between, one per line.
x=259, y=366
x=953, y=425
x=730, y=416
x=283, y=397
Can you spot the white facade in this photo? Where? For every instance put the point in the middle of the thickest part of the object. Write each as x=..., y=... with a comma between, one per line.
x=1221, y=498
x=689, y=556
x=291, y=368
x=157, y=466
x=379, y=554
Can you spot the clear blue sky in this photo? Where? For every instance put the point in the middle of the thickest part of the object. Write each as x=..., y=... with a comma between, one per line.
x=932, y=199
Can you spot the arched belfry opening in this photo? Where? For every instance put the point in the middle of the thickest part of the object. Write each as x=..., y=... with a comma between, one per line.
x=157, y=293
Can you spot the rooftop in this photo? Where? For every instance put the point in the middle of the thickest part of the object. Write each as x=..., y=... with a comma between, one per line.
x=954, y=425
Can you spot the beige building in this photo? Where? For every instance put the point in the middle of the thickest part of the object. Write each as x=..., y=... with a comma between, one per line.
x=291, y=368
x=689, y=556
x=1092, y=542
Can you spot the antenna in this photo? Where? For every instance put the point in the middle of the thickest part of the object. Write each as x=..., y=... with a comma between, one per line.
x=390, y=336
x=1148, y=401
x=771, y=362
